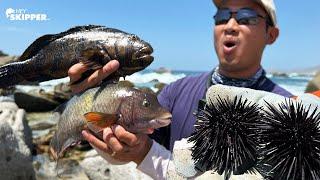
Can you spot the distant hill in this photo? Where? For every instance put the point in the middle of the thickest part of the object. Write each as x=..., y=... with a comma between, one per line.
x=3, y=54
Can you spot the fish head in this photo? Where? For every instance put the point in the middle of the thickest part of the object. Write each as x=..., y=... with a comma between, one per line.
x=142, y=113
x=139, y=54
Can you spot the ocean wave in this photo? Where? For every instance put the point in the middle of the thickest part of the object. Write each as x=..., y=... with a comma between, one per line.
x=295, y=84
x=141, y=78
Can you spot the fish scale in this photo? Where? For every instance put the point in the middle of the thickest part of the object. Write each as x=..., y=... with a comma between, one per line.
x=51, y=56
x=111, y=100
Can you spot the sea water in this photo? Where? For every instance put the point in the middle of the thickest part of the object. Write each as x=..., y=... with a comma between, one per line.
x=296, y=84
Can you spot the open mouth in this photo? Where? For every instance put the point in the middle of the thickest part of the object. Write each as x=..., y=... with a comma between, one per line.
x=143, y=53
x=229, y=44
x=162, y=121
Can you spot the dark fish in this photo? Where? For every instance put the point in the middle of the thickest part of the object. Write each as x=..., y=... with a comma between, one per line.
x=135, y=110
x=50, y=56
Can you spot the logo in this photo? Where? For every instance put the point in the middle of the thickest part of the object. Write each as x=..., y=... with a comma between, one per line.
x=23, y=15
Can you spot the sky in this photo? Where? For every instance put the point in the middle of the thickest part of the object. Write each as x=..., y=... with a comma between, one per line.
x=180, y=31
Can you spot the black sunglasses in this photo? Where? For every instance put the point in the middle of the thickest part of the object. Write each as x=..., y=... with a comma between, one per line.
x=244, y=16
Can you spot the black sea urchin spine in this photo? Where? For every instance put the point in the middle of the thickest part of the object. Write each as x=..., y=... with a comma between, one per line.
x=291, y=139
x=226, y=136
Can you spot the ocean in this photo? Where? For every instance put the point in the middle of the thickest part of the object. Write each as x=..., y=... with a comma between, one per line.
x=294, y=83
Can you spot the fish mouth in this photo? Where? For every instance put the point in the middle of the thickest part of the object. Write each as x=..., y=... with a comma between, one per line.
x=161, y=121
x=143, y=55
x=140, y=60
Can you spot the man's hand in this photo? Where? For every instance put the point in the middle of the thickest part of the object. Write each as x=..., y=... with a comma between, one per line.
x=94, y=79
x=121, y=144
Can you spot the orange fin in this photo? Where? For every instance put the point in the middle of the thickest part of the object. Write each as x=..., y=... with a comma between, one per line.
x=316, y=93
x=96, y=121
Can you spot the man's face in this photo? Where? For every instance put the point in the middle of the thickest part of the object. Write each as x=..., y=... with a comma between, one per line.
x=240, y=47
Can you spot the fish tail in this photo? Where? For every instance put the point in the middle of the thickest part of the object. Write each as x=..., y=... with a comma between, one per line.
x=11, y=74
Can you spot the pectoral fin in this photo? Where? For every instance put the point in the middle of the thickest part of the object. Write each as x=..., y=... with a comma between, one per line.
x=97, y=121
x=94, y=58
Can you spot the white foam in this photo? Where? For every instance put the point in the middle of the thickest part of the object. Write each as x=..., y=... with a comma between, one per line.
x=167, y=78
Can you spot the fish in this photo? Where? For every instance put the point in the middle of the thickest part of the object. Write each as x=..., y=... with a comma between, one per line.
x=111, y=103
x=50, y=56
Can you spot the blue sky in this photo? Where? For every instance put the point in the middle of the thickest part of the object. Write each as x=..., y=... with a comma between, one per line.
x=180, y=31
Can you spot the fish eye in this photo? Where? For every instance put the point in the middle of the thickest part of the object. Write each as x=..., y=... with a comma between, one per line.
x=145, y=103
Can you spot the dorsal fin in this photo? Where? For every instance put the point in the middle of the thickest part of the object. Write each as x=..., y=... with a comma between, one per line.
x=43, y=41
x=35, y=47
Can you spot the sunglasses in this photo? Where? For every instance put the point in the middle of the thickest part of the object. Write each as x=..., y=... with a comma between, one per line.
x=244, y=16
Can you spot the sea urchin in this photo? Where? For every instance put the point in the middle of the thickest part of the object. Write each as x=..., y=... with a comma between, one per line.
x=291, y=139
x=226, y=136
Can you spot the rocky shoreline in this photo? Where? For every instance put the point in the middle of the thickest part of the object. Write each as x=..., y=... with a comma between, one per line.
x=26, y=128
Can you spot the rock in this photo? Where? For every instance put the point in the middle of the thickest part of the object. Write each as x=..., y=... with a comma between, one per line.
x=40, y=117
x=66, y=169
x=162, y=70
x=41, y=143
x=184, y=166
x=7, y=59
x=15, y=143
x=35, y=101
x=314, y=84
x=160, y=86
x=62, y=92
x=154, y=81
x=98, y=168
x=7, y=91
x=280, y=74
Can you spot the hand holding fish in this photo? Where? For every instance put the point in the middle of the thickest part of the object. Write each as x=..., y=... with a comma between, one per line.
x=120, y=145
x=75, y=73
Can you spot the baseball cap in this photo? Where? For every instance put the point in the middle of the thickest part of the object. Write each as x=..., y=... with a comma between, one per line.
x=268, y=6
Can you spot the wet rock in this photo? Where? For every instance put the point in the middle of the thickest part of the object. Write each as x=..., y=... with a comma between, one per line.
x=15, y=143
x=62, y=92
x=314, y=84
x=35, y=101
x=99, y=169
x=154, y=81
x=160, y=86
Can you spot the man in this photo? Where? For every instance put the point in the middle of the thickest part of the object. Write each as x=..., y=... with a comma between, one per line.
x=242, y=30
